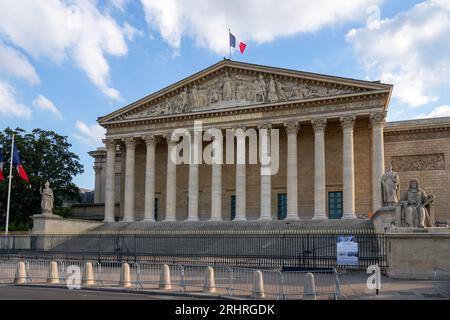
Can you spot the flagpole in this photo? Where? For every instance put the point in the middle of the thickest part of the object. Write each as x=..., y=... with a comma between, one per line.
x=9, y=186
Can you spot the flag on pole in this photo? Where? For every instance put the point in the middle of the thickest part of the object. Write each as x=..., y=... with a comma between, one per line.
x=2, y=177
x=242, y=45
x=232, y=40
x=16, y=163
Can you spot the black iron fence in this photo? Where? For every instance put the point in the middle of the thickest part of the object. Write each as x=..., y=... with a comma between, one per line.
x=297, y=249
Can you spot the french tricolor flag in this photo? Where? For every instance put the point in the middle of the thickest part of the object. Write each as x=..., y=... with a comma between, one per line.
x=242, y=45
x=2, y=177
x=20, y=169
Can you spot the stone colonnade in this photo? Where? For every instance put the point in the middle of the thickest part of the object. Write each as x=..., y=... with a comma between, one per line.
x=293, y=129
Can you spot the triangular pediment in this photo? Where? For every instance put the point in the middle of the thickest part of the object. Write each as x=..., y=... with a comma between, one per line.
x=230, y=84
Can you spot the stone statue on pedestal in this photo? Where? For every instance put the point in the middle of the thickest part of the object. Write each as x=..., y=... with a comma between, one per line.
x=47, y=199
x=390, y=186
x=414, y=207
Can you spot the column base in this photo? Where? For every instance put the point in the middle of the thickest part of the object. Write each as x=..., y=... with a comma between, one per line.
x=192, y=220
x=320, y=217
x=214, y=220
x=347, y=216
x=292, y=218
x=127, y=220
x=149, y=220
x=169, y=220
x=239, y=219
x=265, y=219
x=109, y=220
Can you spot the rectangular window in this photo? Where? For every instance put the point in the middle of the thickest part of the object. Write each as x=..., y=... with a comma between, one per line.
x=282, y=206
x=155, y=210
x=335, y=205
x=233, y=207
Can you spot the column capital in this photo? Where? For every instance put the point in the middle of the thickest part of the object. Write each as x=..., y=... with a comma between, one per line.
x=378, y=119
x=265, y=126
x=110, y=143
x=319, y=124
x=237, y=127
x=149, y=139
x=97, y=169
x=195, y=133
x=168, y=138
x=130, y=142
x=347, y=122
x=292, y=127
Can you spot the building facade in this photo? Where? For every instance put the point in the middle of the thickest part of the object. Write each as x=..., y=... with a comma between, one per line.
x=334, y=145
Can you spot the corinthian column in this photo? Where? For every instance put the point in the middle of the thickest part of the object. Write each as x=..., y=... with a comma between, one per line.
x=241, y=188
x=292, y=175
x=98, y=183
x=216, y=183
x=128, y=213
x=195, y=156
x=266, y=175
x=171, y=184
x=347, y=124
x=110, y=180
x=377, y=121
x=149, y=203
x=319, y=126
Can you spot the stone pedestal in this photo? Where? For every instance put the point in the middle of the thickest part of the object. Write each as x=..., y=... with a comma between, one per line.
x=414, y=253
x=383, y=218
x=47, y=224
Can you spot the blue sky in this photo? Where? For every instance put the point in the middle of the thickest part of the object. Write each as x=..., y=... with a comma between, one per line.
x=65, y=63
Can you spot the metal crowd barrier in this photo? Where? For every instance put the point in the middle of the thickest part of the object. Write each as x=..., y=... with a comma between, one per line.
x=441, y=281
x=273, y=284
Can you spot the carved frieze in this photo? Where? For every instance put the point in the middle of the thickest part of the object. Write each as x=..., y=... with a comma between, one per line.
x=420, y=162
x=229, y=89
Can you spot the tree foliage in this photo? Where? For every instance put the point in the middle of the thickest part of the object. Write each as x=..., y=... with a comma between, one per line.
x=46, y=156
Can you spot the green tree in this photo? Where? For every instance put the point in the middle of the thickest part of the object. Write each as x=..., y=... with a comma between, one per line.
x=46, y=156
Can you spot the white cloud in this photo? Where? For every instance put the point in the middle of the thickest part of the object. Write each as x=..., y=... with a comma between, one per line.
x=119, y=4
x=252, y=20
x=43, y=103
x=16, y=64
x=89, y=135
x=9, y=105
x=131, y=32
x=442, y=111
x=57, y=31
x=411, y=50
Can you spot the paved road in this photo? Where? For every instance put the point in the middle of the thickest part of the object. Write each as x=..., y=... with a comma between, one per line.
x=8, y=292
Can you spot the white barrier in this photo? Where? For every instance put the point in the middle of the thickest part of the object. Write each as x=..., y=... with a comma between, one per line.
x=53, y=273
x=21, y=273
x=209, y=285
x=125, y=276
x=258, y=285
x=165, y=282
x=244, y=282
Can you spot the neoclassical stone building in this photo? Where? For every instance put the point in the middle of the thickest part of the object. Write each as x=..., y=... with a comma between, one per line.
x=334, y=145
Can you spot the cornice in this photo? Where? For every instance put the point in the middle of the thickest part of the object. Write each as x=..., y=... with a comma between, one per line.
x=342, y=99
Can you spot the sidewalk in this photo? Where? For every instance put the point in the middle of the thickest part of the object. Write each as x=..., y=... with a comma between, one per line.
x=353, y=287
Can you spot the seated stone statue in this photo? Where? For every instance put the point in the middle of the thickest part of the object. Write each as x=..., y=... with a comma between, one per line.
x=414, y=207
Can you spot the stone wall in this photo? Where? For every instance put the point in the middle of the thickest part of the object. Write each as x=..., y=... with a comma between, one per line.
x=425, y=157
x=414, y=254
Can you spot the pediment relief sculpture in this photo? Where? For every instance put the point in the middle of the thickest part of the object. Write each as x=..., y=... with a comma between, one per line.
x=237, y=89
